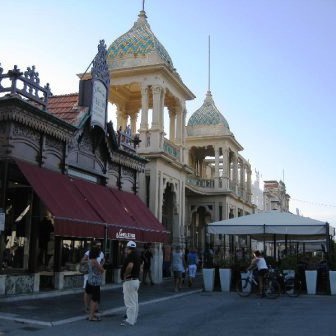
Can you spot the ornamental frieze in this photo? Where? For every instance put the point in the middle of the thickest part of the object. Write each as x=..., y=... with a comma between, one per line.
x=25, y=132
x=33, y=120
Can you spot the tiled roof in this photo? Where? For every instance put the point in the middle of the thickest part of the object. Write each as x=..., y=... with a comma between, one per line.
x=139, y=40
x=207, y=114
x=66, y=107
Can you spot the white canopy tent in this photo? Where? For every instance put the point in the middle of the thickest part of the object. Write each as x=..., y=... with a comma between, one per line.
x=267, y=225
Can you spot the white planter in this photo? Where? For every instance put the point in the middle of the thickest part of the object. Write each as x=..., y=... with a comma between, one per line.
x=332, y=282
x=208, y=279
x=225, y=279
x=311, y=278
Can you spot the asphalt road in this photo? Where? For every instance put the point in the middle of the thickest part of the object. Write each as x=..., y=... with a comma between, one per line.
x=203, y=313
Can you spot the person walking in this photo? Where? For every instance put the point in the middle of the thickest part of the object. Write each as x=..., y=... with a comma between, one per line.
x=178, y=267
x=130, y=275
x=147, y=259
x=192, y=261
x=100, y=259
x=94, y=281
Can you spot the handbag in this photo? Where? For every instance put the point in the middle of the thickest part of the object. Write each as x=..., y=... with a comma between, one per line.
x=84, y=267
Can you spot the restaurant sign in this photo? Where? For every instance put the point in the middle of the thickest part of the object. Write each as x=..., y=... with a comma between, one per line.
x=125, y=235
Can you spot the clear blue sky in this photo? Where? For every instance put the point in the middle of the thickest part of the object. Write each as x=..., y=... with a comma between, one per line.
x=273, y=71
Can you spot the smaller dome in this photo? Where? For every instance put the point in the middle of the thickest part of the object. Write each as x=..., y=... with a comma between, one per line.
x=208, y=114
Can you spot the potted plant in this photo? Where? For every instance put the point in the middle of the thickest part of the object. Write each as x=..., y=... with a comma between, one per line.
x=332, y=268
x=208, y=271
x=225, y=274
x=311, y=275
x=288, y=265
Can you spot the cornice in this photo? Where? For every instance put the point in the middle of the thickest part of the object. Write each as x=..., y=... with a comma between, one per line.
x=16, y=110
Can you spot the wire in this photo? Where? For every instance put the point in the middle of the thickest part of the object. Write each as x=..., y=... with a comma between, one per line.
x=314, y=203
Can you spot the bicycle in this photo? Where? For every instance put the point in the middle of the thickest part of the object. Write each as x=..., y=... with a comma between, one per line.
x=245, y=286
x=289, y=284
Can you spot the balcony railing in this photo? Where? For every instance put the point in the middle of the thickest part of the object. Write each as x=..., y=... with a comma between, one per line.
x=25, y=84
x=171, y=149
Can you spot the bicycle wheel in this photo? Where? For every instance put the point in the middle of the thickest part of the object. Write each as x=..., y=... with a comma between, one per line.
x=292, y=287
x=243, y=287
x=272, y=288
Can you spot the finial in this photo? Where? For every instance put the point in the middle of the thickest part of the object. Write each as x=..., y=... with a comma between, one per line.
x=143, y=5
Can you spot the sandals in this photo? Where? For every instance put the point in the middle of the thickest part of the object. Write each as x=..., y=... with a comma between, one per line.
x=95, y=319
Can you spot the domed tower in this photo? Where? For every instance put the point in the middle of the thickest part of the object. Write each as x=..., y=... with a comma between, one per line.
x=144, y=81
x=145, y=88
x=220, y=185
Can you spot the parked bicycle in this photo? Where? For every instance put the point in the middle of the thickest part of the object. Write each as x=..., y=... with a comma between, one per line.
x=249, y=284
x=289, y=284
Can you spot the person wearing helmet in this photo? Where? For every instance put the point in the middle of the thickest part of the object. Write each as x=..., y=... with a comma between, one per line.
x=130, y=275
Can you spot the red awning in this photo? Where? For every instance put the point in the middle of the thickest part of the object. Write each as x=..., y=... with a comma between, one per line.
x=74, y=216
x=152, y=229
x=84, y=209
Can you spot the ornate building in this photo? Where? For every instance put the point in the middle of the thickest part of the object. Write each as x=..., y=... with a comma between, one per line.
x=145, y=85
x=195, y=175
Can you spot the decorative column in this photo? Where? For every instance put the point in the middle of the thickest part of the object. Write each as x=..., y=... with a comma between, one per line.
x=144, y=109
x=216, y=167
x=242, y=178
x=134, y=118
x=235, y=172
x=248, y=182
x=179, y=124
x=172, y=123
x=121, y=117
x=162, y=98
x=225, y=178
x=184, y=150
x=156, y=107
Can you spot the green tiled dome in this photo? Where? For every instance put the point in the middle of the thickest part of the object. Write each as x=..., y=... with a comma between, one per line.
x=139, y=40
x=208, y=114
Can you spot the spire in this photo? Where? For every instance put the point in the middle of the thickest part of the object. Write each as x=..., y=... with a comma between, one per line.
x=209, y=64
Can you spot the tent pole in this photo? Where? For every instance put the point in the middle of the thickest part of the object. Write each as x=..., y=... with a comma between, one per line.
x=274, y=248
x=264, y=238
x=327, y=240
x=286, y=245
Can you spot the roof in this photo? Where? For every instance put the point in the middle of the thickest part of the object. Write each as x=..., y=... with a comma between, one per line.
x=66, y=107
x=207, y=115
x=139, y=41
x=272, y=223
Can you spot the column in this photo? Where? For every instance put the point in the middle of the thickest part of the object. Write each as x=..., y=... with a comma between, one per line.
x=172, y=123
x=121, y=118
x=144, y=109
x=248, y=182
x=216, y=167
x=156, y=107
x=225, y=177
x=134, y=118
x=179, y=124
x=235, y=172
x=242, y=178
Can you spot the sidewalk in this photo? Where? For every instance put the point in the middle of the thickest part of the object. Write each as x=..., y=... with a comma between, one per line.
x=57, y=307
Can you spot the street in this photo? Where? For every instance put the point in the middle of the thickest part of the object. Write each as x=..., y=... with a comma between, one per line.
x=204, y=313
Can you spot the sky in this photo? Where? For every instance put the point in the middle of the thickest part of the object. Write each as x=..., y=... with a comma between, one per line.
x=272, y=74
